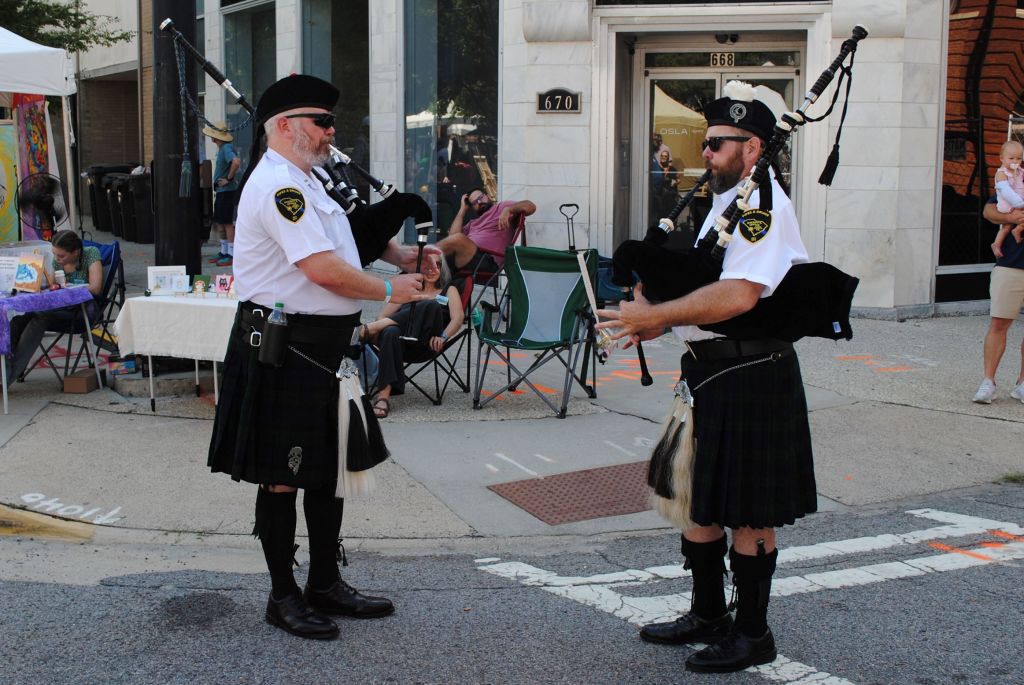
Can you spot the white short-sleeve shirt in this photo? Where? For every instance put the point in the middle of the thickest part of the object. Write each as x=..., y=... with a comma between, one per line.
x=763, y=259
x=284, y=216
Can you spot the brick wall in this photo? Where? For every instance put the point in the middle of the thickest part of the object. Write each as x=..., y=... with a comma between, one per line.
x=108, y=125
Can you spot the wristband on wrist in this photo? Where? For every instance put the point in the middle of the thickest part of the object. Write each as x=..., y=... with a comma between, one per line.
x=387, y=292
x=443, y=336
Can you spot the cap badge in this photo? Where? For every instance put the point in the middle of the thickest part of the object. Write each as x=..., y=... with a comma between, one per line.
x=737, y=111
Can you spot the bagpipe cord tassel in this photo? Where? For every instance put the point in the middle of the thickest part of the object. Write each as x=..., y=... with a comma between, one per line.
x=832, y=163
x=671, y=467
x=353, y=446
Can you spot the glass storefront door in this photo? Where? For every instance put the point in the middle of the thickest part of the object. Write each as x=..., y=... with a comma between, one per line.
x=676, y=91
x=250, y=54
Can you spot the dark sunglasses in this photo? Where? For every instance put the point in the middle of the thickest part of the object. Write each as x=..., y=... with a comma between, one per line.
x=715, y=142
x=324, y=121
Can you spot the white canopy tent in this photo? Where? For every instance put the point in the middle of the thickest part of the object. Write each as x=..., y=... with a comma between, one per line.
x=27, y=67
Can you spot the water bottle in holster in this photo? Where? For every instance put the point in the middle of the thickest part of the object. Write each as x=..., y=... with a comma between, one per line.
x=274, y=340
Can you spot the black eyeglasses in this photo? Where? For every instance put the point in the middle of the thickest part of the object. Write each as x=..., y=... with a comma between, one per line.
x=323, y=120
x=715, y=142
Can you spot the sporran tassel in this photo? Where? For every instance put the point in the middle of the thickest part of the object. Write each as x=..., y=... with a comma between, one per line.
x=671, y=466
x=357, y=434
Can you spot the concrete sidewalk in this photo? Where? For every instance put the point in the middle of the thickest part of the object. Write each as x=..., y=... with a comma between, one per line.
x=891, y=417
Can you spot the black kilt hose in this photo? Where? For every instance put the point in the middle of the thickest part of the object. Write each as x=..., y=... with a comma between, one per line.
x=265, y=412
x=753, y=465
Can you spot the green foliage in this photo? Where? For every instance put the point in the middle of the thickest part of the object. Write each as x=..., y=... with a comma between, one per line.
x=467, y=33
x=1012, y=478
x=58, y=25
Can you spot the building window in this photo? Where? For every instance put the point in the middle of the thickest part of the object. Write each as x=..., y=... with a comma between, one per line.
x=336, y=48
x=250, y=55
x=451, y=102
x=984, y=89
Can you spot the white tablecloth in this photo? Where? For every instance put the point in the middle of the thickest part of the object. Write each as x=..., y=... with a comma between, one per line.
x=183, y=326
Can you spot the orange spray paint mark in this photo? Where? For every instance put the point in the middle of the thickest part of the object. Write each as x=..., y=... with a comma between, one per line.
x=1008, y=536
x=957, y=550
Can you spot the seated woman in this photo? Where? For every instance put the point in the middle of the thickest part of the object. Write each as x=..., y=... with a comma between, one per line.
x=430, y=323
x=81, y=266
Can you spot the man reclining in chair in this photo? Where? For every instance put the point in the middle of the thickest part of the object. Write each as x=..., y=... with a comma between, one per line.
x=430, y=323
x=494, y=228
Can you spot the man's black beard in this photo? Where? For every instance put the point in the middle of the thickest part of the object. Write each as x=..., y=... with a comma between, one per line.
x=724, y=180
x=481, y=208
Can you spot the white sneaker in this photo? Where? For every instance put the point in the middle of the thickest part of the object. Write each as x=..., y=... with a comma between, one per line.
x=1018, y=392
x=987, y=391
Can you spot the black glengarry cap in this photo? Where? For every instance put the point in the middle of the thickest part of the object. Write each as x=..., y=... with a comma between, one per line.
x=739, y=108
x=293, y=92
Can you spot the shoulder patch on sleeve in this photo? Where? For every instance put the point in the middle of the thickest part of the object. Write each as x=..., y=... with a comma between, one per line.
x=290, y=204
x=754, y=224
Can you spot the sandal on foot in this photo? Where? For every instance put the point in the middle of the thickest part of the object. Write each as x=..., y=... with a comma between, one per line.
x=381, y=407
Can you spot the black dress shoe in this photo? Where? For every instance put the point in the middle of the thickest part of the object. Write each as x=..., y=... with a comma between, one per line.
x=686, y=629
x=734, y=653
x=343, y=599
x=293, y=614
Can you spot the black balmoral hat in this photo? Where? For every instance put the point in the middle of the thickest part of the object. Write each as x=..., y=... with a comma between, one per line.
x=292, y=92
x=738, y=108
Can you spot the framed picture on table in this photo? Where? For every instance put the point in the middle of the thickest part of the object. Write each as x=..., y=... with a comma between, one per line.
x=222, y=283
x=167, y=279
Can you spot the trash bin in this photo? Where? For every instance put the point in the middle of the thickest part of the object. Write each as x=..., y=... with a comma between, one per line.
x=97, y=197
x=142, y=190
x=112, y=184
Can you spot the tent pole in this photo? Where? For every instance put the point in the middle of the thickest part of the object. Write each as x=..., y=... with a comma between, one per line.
x=72, y=179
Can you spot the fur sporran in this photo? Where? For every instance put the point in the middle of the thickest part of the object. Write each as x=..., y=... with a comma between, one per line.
x=670, y=471
x=360, y=442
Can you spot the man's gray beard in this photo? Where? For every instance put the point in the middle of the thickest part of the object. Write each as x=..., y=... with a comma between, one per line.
x=304, y=148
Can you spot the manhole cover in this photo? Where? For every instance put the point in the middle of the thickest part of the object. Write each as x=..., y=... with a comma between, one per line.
x=581, y=495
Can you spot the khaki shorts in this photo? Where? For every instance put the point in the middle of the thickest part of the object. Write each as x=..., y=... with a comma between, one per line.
x=1007, y=292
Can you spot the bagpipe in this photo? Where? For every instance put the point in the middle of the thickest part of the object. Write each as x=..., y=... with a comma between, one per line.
x=813, y=299
x=373, y=225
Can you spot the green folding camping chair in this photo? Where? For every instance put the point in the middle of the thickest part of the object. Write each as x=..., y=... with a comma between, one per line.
x=545, y=311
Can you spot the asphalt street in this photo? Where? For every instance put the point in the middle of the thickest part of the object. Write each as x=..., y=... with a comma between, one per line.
x=123, y=560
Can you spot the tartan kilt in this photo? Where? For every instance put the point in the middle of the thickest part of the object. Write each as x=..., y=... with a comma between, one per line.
x=753, y=465
x=265, y=412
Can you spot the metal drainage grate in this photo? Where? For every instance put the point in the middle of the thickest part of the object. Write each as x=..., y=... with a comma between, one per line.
x=581, y=495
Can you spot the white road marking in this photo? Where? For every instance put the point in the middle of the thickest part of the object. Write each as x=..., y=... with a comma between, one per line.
x=619, y=448
x=37, y=501
x=544, y=459
x=491, y=468
x=515, y=463
x=487, y=560
x=597, y=590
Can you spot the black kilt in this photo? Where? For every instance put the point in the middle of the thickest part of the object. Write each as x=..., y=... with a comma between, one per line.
x=753, y=465
x=264, y=412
